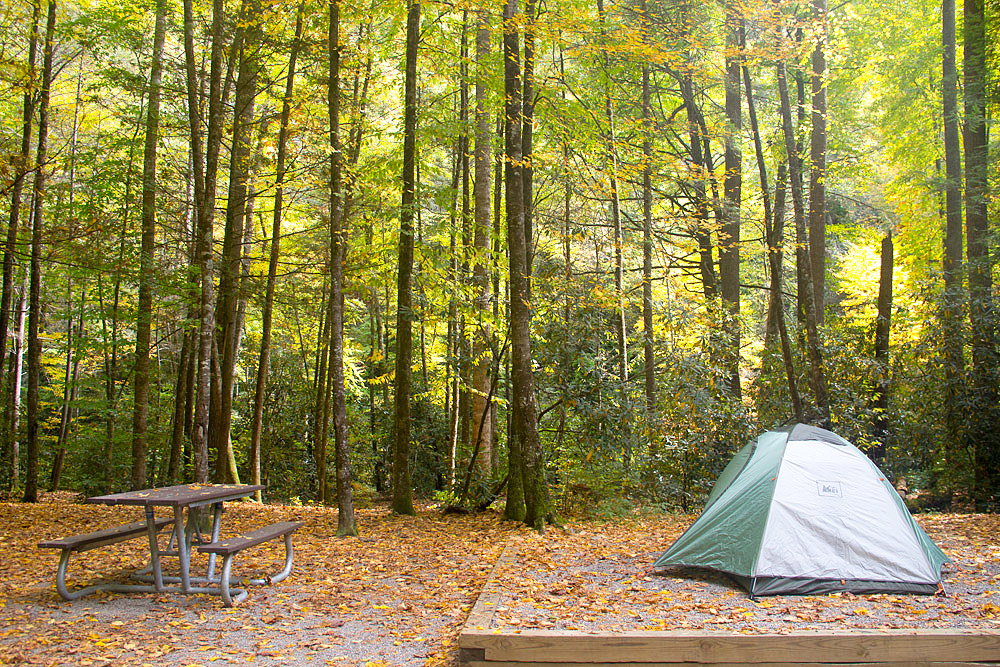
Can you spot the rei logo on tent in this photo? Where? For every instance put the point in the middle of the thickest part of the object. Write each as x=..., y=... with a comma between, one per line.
x=831, y=489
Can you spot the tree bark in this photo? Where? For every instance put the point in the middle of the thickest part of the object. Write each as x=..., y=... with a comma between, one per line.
x=817, y=376
x=524, y=407
x=729, y=235
x=20, y=175
x=773, y=248
x=34, y=299
x=883, y=327
x=338, y=248
x=649, y=366
x=402, y=493
x=481, y=357
x=144, y=314
x=983, y=433
x=817, y=170
x=951, y=315
x=272, y=267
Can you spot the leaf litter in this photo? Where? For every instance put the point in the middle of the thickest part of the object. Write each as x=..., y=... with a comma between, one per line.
x=401, y=593
x=598, y=577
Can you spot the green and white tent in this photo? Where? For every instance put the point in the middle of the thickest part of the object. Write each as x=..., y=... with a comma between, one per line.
x=801, y=511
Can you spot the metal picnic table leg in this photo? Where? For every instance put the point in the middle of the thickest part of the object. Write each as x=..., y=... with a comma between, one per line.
x=216, y=524
x=154, y=549
x=183, y=547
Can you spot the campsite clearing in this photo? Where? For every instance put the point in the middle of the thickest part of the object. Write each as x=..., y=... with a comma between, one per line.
x=590, y=596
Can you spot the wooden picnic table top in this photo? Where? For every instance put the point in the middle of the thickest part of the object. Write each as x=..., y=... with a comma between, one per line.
x=182, y=495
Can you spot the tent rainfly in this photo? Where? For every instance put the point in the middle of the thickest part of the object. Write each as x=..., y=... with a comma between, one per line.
x=802, y=511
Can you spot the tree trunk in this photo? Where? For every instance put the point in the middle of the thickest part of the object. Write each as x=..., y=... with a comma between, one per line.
x=883, y=327
x=951, y=316
x=205, y=197
x=817, y=376
x=402, y=493
x=729, y=235
x=34, y=299
x=227, y=325
x=272, y=267
x=481, y=357
x=17, y=365
x=338, y=249
x=983, y=433
x=20, y=175
x=525, y=410
x=649, y=365
x=144, y=312
x=773, y=248
x=817, y=170
x=616, y=218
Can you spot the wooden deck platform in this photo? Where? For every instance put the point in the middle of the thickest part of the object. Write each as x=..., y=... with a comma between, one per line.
x=483, y=646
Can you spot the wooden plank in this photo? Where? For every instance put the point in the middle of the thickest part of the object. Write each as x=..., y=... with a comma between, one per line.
x=482, y=663
x=481, y=616
x=259, y=536
x=102, y=537
x=820, y=647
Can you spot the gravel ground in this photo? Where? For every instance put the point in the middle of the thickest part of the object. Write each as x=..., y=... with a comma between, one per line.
x=598, y=578
x=398, y=595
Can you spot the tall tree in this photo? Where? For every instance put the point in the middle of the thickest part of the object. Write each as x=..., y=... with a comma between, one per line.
x=34, y=299
x=228, y=332
x=272, y=266
x=481, y=358
x=649, y=365
x=17, y=187
x=525, y=410
x=729, y=235
x=817, y=375
x=144, y=314
x=338, y=246
x=951, y=315
x=772, y=245
x=983, y=433
x=402, y=493
x=205, y=202
x=883, y=327
x=817, y=169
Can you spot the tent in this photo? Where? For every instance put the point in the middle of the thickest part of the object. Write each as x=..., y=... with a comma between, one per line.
x=801, y=511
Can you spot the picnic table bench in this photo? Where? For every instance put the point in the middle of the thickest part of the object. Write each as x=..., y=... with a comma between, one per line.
x=184, y=534
x=95, y=540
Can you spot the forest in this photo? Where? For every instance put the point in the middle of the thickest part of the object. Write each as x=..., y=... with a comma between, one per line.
x=559, y=256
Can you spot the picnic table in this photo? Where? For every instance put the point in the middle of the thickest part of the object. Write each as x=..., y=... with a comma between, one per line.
x=184, y=500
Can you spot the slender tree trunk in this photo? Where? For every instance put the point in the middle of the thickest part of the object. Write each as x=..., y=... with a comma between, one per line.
x=17, y=366
x=954, y=343
x=649, y=365
x=883, y=327
x=536, y=498
x=482, y=359
x=144, y=314
x=206, y=217
x=71, y=386
x=338, y=248
x=272, y=267
x=621, y=333
x=983, y=432
x=34, y=299
x=729, y=235
x=20, y=175
x=402, y=493
x=246, y=45
x=773, y=249
x=817, y=170
x=817, y=376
